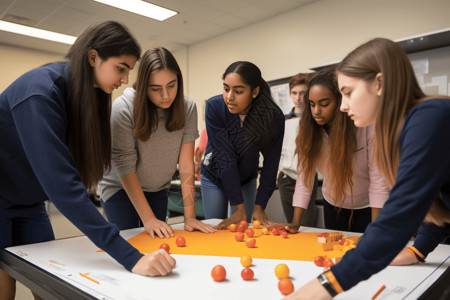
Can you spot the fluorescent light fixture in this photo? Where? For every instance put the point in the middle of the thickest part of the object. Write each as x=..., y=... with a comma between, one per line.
x=141, y=8
x=38, y=33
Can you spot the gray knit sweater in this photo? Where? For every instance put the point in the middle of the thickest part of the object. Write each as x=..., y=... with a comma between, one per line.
x=155, y=160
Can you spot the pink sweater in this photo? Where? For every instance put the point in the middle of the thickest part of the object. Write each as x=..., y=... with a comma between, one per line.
x=369, y=186
x=203, y=141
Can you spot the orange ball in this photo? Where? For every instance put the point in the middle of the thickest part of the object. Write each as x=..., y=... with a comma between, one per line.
x=232, y=227
x=246, y=261
x=244, y=223
x=256, y=224
x=218, y=273
x=250, y=243
x=285, y=286
x=282, y=271
x=247, y=273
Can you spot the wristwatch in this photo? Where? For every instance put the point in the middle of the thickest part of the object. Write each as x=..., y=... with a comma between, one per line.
x=323, y=279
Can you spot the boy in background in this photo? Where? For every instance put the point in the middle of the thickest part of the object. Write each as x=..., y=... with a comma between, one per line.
x=289, y=160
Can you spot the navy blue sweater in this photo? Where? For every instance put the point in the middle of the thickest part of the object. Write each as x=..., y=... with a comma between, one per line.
x=230, y=160
x=36, y=164
x=424, y=171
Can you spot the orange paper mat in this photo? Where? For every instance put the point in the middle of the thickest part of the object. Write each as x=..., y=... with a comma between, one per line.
x=301, y=246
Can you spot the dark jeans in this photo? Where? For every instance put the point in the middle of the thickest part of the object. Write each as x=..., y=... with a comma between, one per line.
x=215, y=201
x=21, y=224
x=338, y=219
x=120, y=211
x=286, y=186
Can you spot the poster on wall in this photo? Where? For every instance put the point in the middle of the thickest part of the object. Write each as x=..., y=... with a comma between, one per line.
x=280, y=94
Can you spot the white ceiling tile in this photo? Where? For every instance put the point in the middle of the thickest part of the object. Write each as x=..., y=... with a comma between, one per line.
x=197, y=20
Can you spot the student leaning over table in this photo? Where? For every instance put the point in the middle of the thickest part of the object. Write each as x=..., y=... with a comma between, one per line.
x=354, y=191
x=55, y=144
x=153, y=128
x=241, y=123
x=412, y=150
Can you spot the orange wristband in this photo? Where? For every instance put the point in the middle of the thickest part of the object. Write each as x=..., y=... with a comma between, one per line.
x=412, y=253
x=419, y=256
x=333, y=281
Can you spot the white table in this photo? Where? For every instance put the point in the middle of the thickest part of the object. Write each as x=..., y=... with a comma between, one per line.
x=54, y=268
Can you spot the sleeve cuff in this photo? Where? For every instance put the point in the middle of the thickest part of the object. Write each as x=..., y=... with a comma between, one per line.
x=332, y=279
x=416, y=253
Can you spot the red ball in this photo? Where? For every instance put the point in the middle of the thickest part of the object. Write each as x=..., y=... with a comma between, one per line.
x=275, y=231
x=218, y=273
x=165, y=247
x=247, y=273
x=181, y=241
x=251, y=243
x=318, y=261
x=239, y=236
x=240, y=228
x=328, y=263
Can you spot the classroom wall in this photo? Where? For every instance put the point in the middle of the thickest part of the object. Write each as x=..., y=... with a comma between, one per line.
x=315, y=34
x=15, y=61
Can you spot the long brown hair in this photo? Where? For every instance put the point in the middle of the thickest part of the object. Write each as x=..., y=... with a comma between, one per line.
x=89, y=107
x=342, y=139
x=400, y=93
x=145, y=112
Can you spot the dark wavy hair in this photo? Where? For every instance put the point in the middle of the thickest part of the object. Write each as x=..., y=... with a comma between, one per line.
x=145, y=112
x=89, y=107
x=342, y=139
x=261, y=119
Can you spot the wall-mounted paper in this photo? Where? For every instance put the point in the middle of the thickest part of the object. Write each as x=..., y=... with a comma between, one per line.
x=420, y=66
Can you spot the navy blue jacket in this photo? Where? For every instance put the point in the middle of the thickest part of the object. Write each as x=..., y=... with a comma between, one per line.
x=230, y=160
x=36, y=164
x=424, y=171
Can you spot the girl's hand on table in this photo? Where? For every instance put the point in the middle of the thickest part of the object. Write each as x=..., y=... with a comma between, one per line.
x=235, y=218
x=404, y=258
x=158, y=227
x=191, y=224
x=260, y=215
x=158, y=263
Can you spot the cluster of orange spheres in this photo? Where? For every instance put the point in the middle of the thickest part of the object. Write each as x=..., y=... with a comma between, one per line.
x=285, y=284
x=242, y=230
x=242, y=226
x=218, y=273
x=322, y=261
